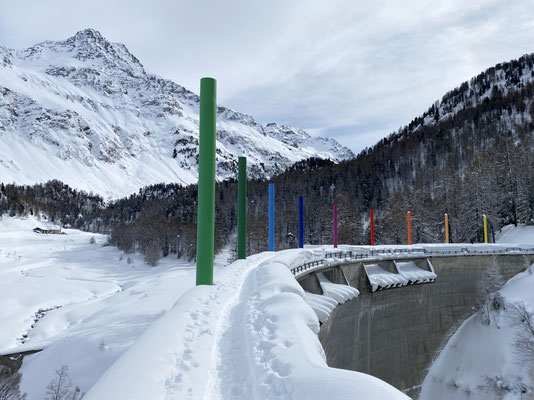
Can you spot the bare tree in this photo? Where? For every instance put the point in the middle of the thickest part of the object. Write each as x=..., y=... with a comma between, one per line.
x=10, y=385
x=153, y=253
x=523, y=320
x=60, y=388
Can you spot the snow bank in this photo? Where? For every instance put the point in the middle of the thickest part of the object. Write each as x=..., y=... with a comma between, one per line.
x=382, y=279
x=413, y=273
x=296, y=257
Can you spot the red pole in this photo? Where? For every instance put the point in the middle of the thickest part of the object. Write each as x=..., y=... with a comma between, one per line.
x=409, y=222
x=335, y=226
x=372, y=228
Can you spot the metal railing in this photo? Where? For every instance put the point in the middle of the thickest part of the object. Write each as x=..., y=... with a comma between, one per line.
x=351, y=255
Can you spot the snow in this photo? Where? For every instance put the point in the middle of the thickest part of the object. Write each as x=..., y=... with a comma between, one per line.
x=134, y=331
x=333, y=294
x=413, y=273
x=170, y=360
x=105, y=303
x=523, y=234
x=338, y=292
x=477, y=351
x=379, y=278
x=260, y=349
x=294, y=258
x=321, y=304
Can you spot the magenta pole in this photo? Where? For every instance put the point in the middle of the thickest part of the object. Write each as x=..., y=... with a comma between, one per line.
x=335, y=226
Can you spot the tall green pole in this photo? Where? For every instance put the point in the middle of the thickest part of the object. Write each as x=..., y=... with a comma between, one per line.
x=206, y=182
x=242, y=209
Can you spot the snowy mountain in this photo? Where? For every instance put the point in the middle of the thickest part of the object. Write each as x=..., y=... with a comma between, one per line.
x=86, y=112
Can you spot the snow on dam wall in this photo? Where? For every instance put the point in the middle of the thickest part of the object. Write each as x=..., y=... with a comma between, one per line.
x=394, y=334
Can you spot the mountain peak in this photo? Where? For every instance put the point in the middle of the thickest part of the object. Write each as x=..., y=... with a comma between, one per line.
x=87, y=47
x=90, y=34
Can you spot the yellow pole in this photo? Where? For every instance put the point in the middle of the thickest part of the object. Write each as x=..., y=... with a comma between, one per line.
x=485, y=229
x=446, y=228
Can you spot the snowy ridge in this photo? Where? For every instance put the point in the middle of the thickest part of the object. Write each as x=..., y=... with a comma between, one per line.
x=254, y=340
x=85, y=111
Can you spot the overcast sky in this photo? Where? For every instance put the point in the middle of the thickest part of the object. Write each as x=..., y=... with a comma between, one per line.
x=354, y=70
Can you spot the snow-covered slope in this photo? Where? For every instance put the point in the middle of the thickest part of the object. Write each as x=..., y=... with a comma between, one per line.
x=516, y=234
x=82, y=303
x=482, y=362
x=86, y=112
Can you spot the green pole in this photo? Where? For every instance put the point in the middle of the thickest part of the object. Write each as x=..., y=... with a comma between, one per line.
x=242, y=209
x=206, y=182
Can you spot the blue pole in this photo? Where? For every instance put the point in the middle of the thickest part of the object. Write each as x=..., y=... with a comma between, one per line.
x=271, y=216
x=301, y=223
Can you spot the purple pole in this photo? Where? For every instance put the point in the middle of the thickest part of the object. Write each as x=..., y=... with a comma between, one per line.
x=335, y=226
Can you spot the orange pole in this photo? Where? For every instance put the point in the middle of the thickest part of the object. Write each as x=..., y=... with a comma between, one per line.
x=409, y=223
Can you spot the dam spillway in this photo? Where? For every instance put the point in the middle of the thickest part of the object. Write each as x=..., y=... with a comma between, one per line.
x=394, y=334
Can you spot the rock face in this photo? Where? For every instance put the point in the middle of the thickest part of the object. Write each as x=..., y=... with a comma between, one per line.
x=85, y=111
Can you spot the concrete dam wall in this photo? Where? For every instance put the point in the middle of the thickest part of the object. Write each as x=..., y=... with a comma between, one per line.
x=393, y=334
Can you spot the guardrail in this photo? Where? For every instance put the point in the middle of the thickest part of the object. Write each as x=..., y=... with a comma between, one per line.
x=352, y=255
